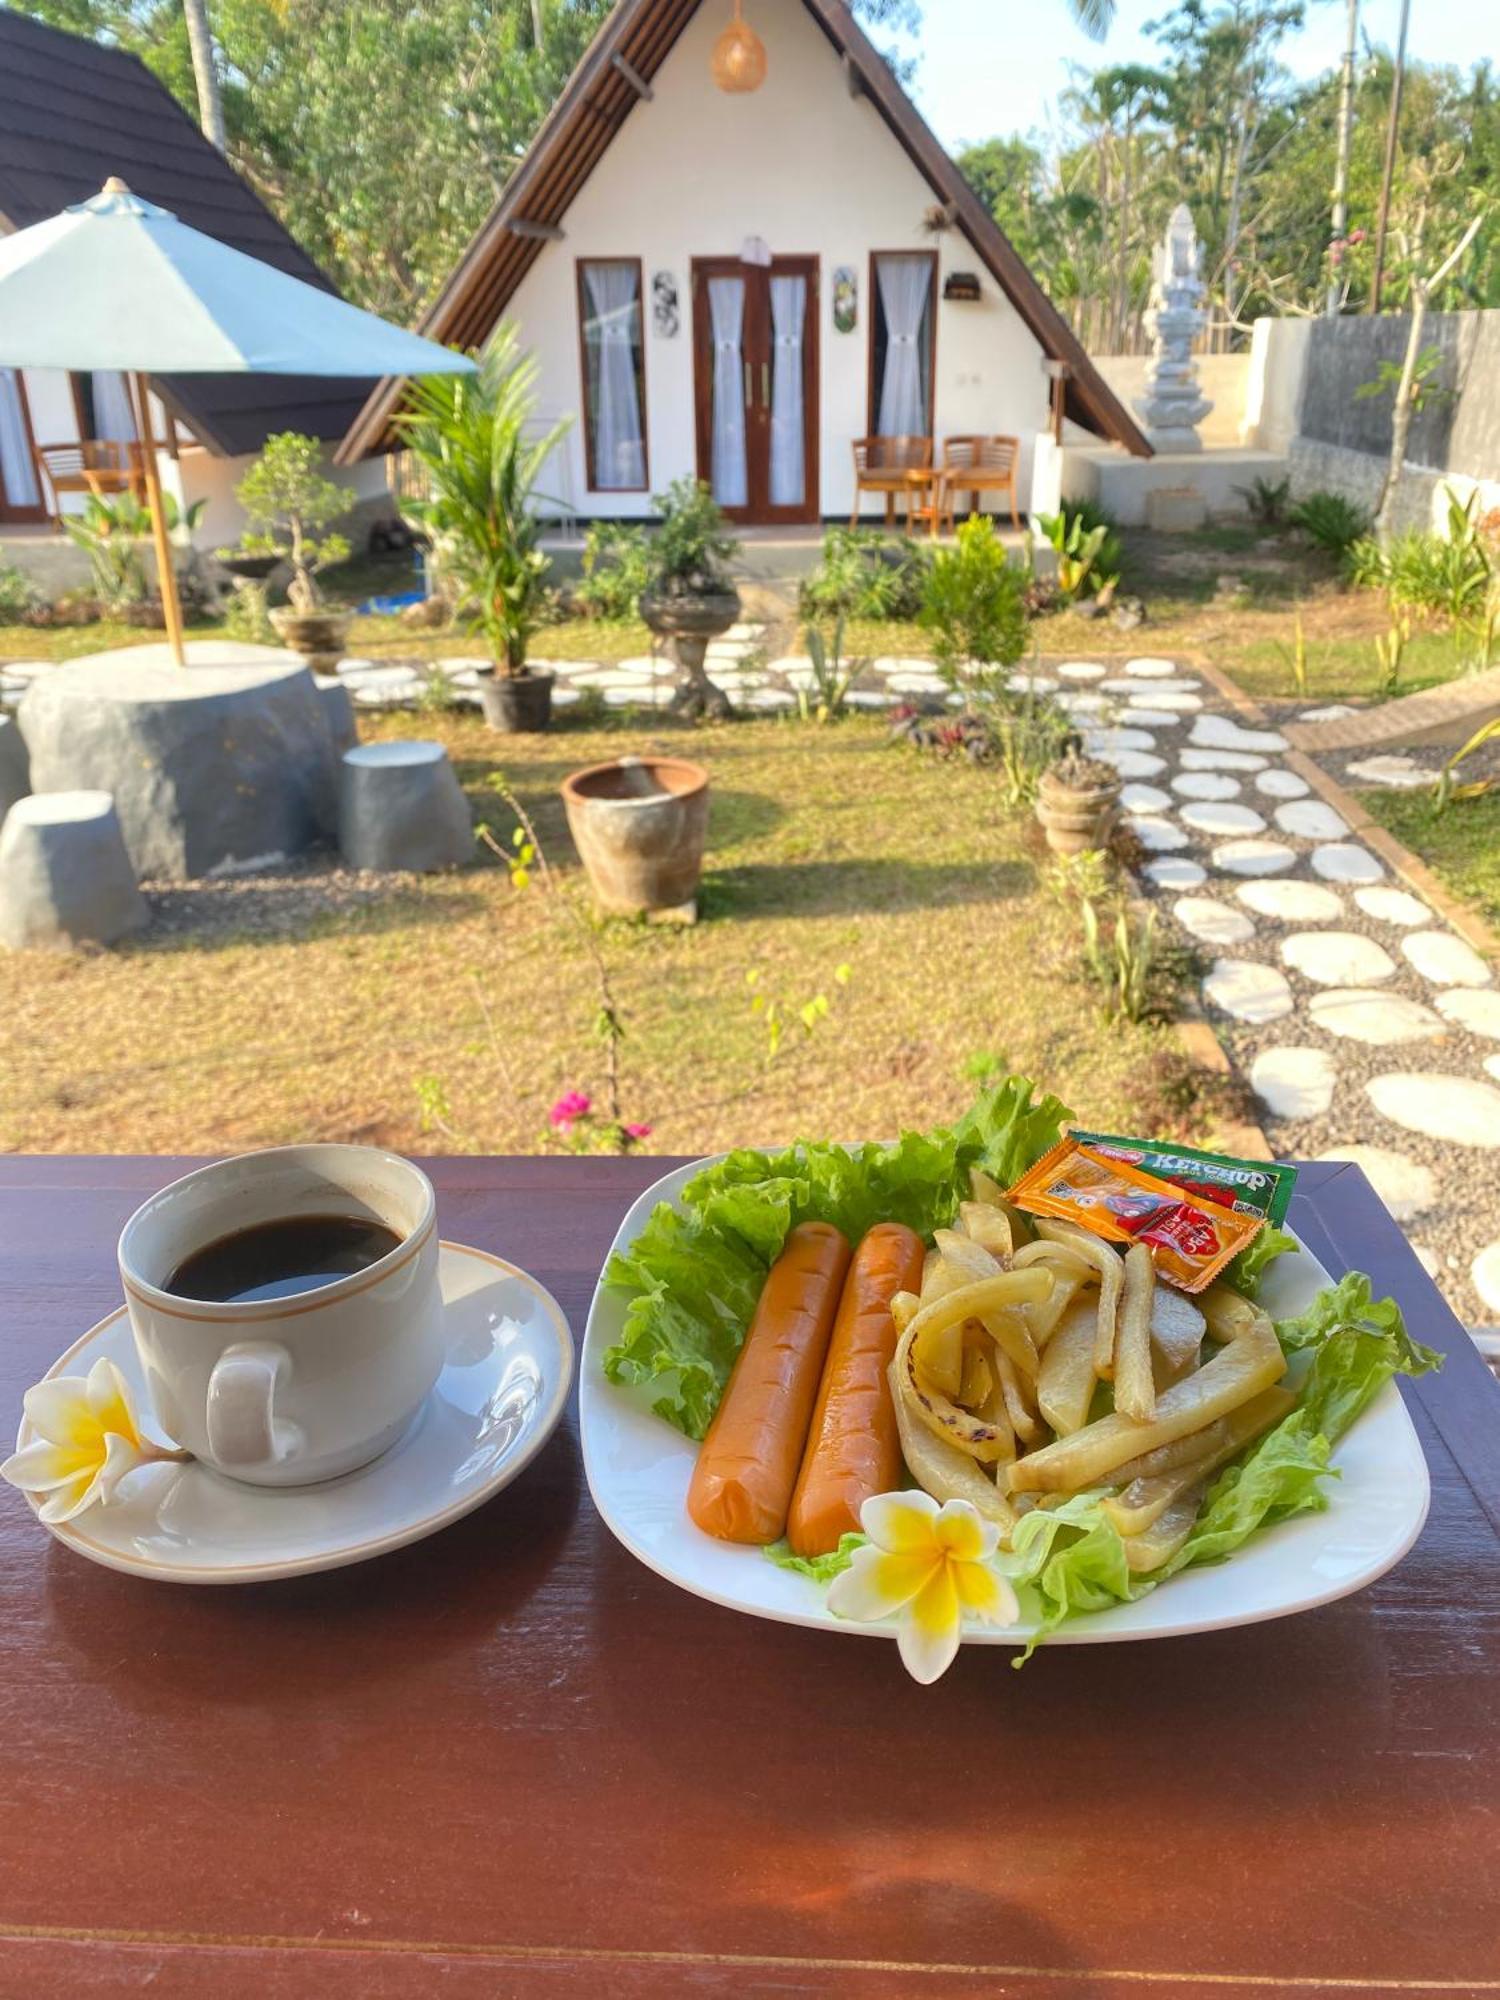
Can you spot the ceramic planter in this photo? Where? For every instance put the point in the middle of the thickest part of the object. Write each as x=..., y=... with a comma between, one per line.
x=687, y=624
x=519, y=704
x=1076, y=818
x=639, y=825
x=319, y=636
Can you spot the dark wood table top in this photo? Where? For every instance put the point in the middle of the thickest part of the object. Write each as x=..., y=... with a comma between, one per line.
x=511, y=1760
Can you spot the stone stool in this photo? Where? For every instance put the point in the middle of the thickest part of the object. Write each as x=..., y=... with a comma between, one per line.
x=401, y=807
x=15, y=764
x=65, y=877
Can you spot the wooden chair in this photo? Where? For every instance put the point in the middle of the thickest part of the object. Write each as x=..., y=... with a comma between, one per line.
x=888, y=466
x=98, y=466
x=978, y=465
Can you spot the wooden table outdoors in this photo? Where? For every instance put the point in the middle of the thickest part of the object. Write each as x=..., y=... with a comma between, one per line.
x=511, y=1760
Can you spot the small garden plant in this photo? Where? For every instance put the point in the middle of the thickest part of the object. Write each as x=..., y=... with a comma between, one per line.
x=288, y=503
x=974, y=604
x=616, y=569
x=691, y=552
x=864, y=573
x=470, y=434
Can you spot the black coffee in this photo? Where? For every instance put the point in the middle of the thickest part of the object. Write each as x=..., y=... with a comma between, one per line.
x=276, y=1260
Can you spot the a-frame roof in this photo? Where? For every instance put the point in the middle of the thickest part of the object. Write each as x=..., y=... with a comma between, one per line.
x=612, y=78
x=73, y=112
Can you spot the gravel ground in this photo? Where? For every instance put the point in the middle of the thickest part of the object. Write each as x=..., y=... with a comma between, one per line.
x=219, y=908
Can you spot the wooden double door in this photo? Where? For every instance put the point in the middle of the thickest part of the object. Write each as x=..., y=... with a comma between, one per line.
x=755, y=376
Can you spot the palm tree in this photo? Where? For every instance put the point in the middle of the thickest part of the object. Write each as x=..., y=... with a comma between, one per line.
x=1095, y=17
x=205, y=73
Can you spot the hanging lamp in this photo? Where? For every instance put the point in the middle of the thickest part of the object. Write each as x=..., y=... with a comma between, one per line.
x=739, y=58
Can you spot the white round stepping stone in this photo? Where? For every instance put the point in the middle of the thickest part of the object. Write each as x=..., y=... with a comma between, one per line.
x=1294, y=1082
x=1347, y=861
x=1217, y=732
x=1159, y=835
x=1147, y=718
x=1439, y=1106
x=1492, y=1064
x=1485, y=1274
x=1403, y=1184
x=1105, y=742
x=1212, y=921
x=1082, y=670
x=641, y=694
x=1147, y=669
x=1248, y=991
x=1398, y=774
x=1358, y=1014
x=1338, y=958
x=1393, y=906
x=908, y=682
x=566, y=697
x=1206, y=785
x=770, y=699
x=1332, y=713
x=1021, y=682
x=1175, y=871
x=1291, y=902
x=1279, y=784
x=869, y=698
x=1145, y=799
x=1310, y=819
x=1138, y=763
x=1083, y=703
x=1215, y=817
x=1253, y=857
x=1220, y=760
x=1474, y=1008
x=1177, y=701
x=647, y=663
x=1445, y=959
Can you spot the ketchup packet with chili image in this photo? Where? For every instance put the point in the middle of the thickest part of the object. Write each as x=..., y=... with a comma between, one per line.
x=1259, y=1187
x=1190, y=1239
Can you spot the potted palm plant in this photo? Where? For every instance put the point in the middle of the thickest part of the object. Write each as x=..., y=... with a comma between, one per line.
x=691, y=597
x=288, y=503
x=469, y=436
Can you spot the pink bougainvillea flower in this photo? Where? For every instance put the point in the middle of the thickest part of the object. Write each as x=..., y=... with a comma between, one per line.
x=637, y=1131
x=572, y=1104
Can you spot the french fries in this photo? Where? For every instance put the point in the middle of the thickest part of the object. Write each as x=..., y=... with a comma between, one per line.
x=1065, y=1386
x=944, y=1471
x=1145, y=1500
x=1135, y=1387
x=1111, y=1280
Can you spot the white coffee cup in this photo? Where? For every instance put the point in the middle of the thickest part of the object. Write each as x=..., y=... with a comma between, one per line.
x=281, y=1392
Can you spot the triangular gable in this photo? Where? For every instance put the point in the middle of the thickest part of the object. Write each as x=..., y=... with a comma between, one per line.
x=614, y=76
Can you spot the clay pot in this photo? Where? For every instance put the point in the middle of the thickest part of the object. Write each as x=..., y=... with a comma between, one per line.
x=517, y=703
x=639, y=825
x=319, y=636
x=1075, y=818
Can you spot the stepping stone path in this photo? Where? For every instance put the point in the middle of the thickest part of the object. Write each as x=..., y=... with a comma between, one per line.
x=1367, y=1029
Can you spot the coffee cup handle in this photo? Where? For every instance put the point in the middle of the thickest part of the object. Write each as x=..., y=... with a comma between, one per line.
x=241, y=1404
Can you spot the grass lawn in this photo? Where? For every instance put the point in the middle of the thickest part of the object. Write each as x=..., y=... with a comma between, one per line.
x=1462, y=845
x=317, y=1007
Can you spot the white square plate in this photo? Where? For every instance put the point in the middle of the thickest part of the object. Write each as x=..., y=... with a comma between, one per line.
x=638, y=1471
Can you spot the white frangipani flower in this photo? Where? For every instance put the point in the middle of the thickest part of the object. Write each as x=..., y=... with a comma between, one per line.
x=87, y=1438
x=926, y=1565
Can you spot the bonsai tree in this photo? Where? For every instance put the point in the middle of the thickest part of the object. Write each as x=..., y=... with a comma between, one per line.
x=469, y=435
x=693, y=548
x=690, y=595
x=287, y=502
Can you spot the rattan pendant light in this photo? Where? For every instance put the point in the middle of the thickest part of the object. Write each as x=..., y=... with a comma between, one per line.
x=739, y=57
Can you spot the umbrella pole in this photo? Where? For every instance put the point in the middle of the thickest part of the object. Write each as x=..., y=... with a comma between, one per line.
x=166, y=576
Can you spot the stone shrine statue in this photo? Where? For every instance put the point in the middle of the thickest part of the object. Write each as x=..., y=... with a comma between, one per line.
x=1172, y=407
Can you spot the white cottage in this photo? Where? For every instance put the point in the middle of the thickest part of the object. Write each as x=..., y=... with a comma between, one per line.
x=743, y=285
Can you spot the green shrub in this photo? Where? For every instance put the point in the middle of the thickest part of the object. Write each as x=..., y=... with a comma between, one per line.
x=18, y=594
x=1447, y=576
x=691, y=551
x=1088, y=549
x=974, y=602
x=1265, y=500
x=616, y=569
x=287, y=501
x=1331, y=522
x=866, y=574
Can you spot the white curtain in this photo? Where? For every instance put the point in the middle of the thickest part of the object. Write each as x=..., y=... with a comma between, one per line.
x=18, y=487
x=904, y=284
x=614, y=327
x=113, y=417
x=788, y=315
x=726, y=304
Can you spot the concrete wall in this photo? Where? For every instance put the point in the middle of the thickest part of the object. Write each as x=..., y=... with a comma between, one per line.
x=816, y=173
x=1223, y=377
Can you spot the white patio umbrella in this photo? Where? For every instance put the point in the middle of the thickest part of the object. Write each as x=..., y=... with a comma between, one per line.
x=117, y=283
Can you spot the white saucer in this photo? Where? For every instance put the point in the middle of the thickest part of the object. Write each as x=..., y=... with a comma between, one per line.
x=497, y=1401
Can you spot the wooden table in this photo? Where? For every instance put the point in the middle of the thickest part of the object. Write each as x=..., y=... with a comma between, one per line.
x=511, y=1760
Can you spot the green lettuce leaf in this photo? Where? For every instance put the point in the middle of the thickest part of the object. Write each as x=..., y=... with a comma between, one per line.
x=692, y=1280
x=1074, y=1558
x=1246, y=1271
x=822, y=1569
